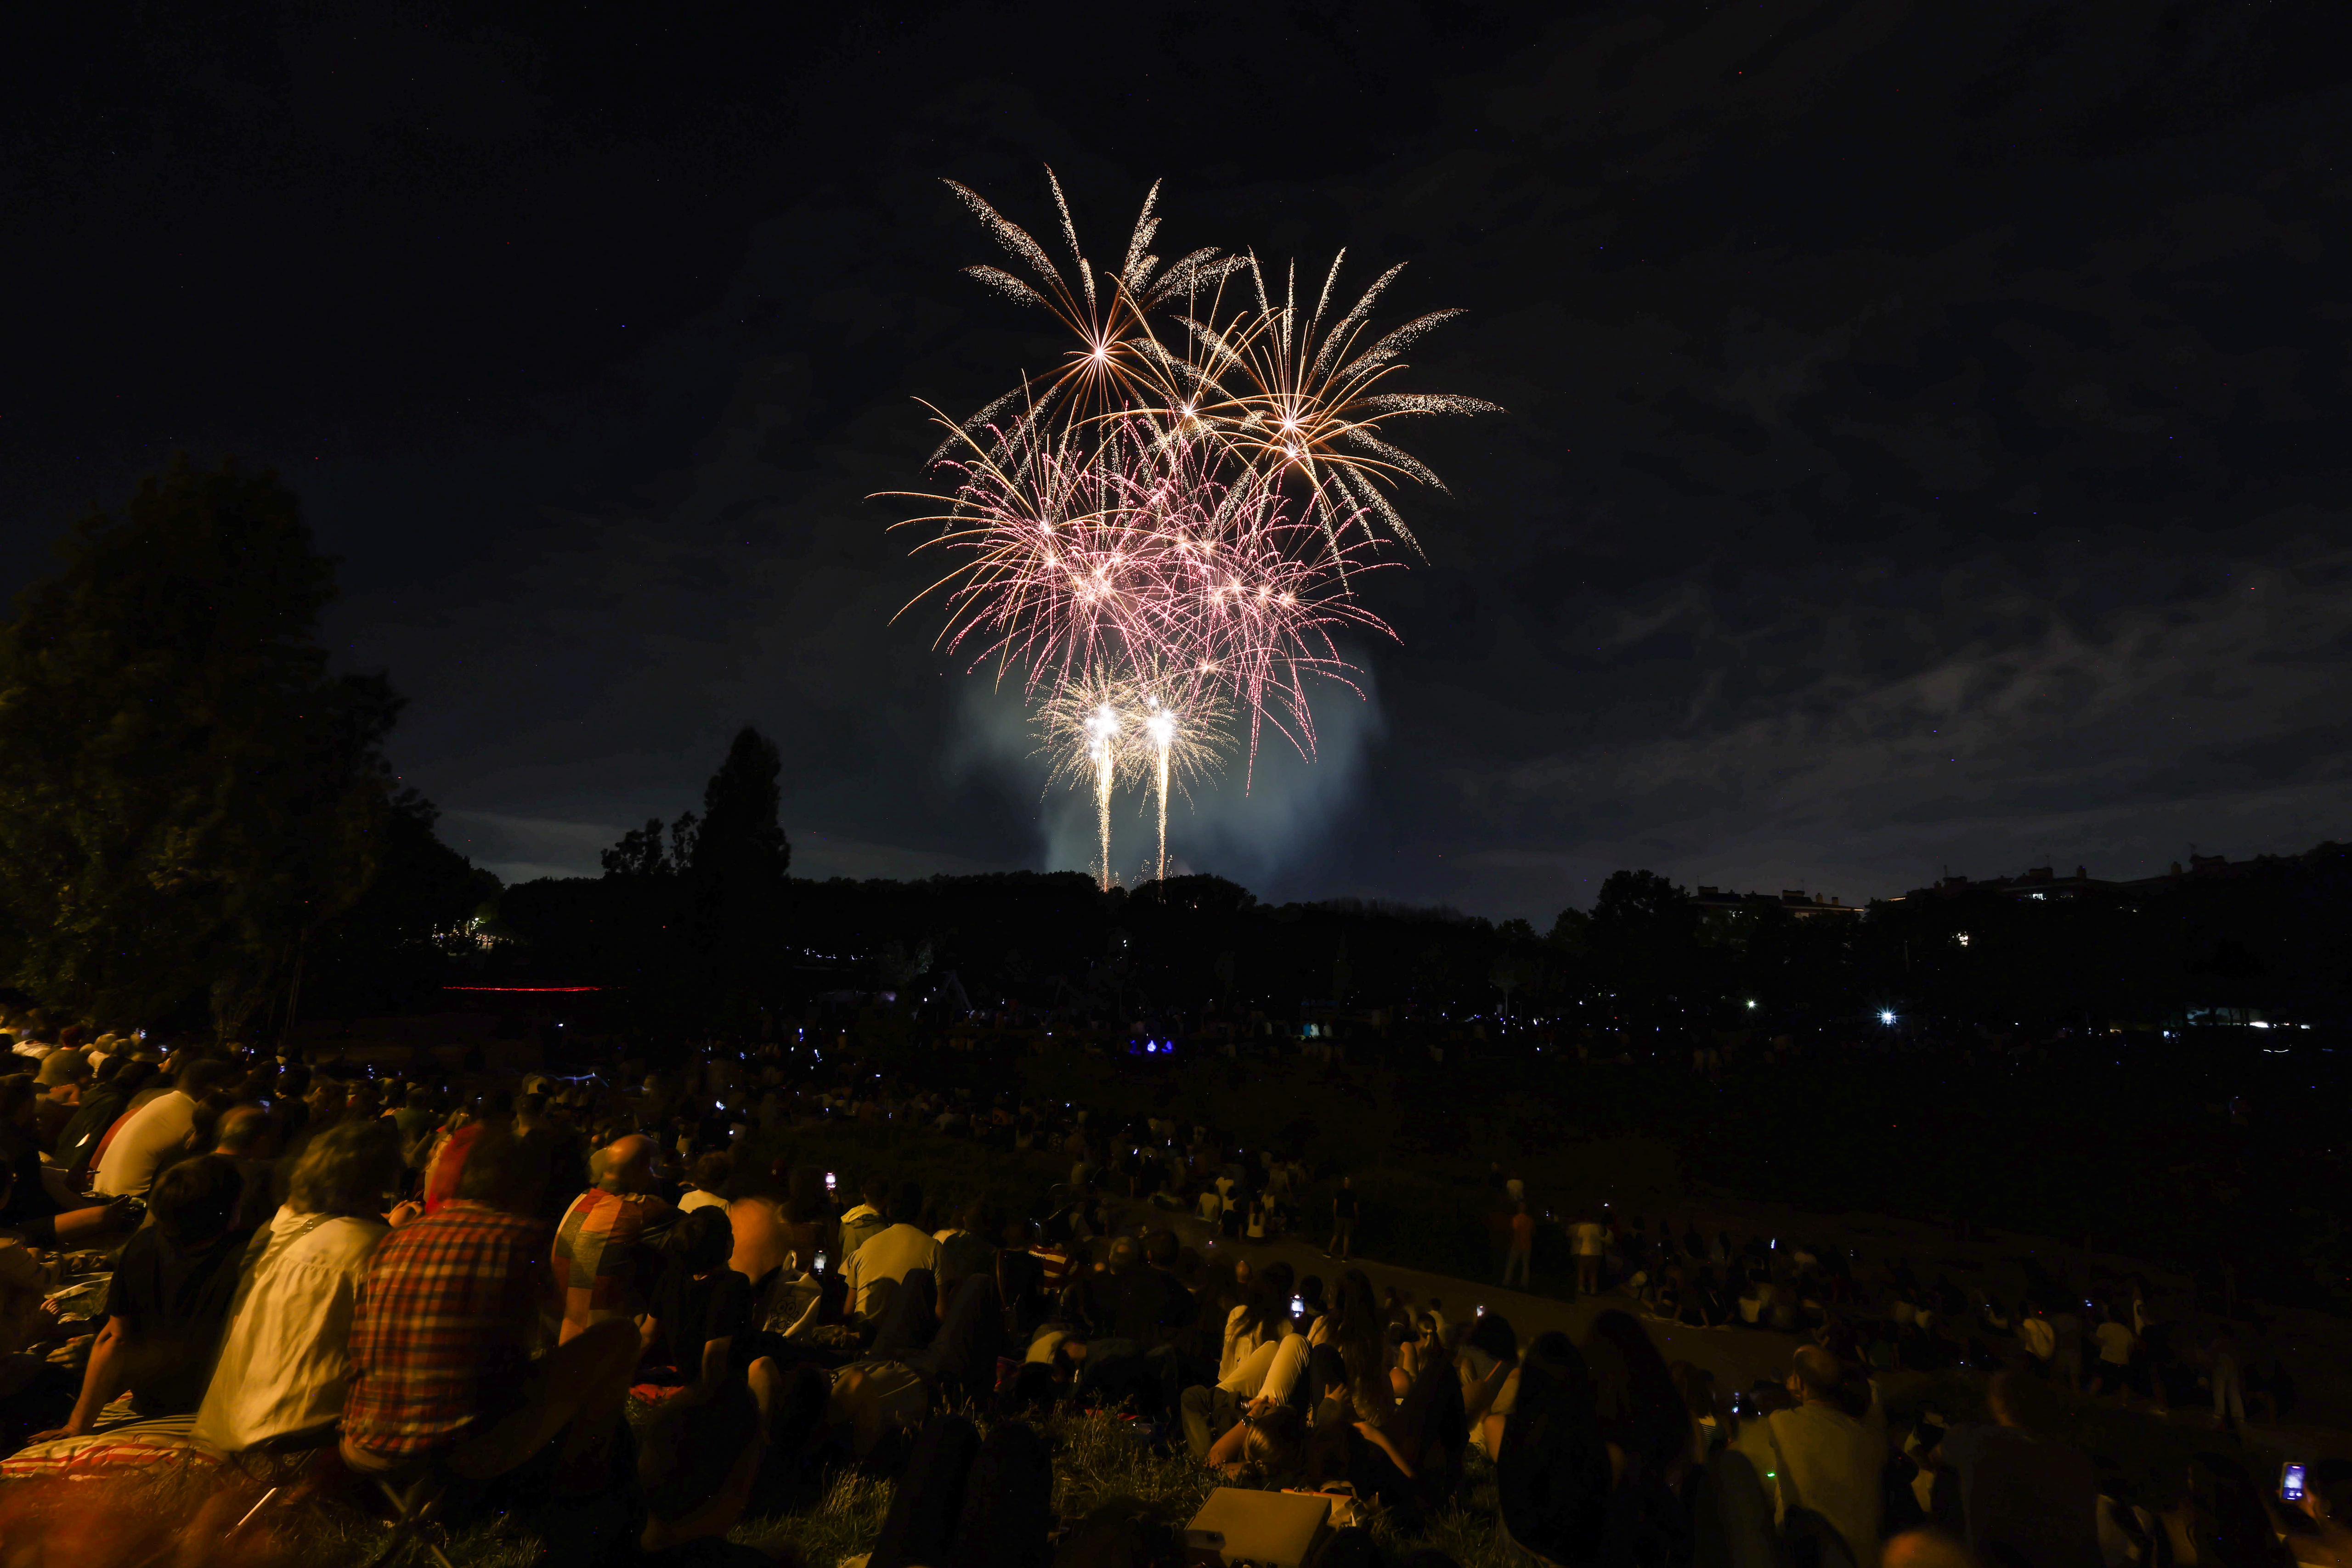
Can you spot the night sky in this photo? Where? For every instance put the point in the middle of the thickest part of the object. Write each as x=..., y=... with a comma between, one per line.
x=1928, y=441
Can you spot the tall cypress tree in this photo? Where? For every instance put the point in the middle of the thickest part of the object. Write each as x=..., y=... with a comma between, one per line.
x=736, y=867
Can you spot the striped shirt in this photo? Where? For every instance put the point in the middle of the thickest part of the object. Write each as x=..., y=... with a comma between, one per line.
x=444, y=1326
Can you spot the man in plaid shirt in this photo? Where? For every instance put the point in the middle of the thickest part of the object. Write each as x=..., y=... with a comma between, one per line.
x=442, y=1336
x=597, y=1257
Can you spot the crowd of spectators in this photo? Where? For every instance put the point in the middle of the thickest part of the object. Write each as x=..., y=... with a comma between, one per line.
x=465, y=1286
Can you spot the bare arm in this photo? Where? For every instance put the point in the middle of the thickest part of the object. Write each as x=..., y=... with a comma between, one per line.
x=107, y=1372
x=1482, y=1394
x=1373, y=1434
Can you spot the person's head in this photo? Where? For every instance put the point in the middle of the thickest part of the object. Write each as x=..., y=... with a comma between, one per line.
x=1698, y=1386
x=193, y=1202
x=711, y=1170
x=1493, y=1334
x=906, y=1204
x=529, y=1110
x=351, y=1169
x=1161, y=1250
x=1927, y=1548
x=419, y=1098
x=1639, y=1409
x=17, y=1100
x=876, y=1190
x=2024, y=1403
x=200, y=1075
x=1274, y=1450
x=240, y=1132
x=506, y=1170
x=66, y=1070
x=702, y=1240
x=1814, y=1374
x=1352, y=1300
x=627, y=1164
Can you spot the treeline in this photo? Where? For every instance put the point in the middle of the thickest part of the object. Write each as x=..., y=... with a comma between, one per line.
x=1646, y=967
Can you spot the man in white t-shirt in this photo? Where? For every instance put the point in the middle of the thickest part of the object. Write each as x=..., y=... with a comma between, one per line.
x=157, y=1134
x=888, y=1255
x=2038, y=1337
x=1591, y=1239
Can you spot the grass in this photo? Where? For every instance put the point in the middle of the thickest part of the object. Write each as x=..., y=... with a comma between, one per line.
x=843, y=1524
x=1099, y=1458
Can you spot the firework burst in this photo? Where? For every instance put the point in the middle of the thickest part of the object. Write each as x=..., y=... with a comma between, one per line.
x=1162, y=539
x=1303, y=397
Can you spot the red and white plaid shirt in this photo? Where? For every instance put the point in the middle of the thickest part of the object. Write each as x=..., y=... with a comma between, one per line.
x=444, y=1327
x=595, y=1256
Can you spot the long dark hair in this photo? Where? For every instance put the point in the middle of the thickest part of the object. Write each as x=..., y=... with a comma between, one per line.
x=1268, y=1306
x=1552, y=1475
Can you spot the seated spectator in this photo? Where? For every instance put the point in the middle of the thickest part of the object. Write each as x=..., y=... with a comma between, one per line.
x=447, y=1162
x=1262, y=1381
x=601, y=1258
x=157, y=1133
x=875, y=1270
x=2025, y=1501
x=242, y=1138
x=62, y=1078
x=29, y=1209
x=1263, y=1317
x=1267, y=1451
x=710, y=1173
x=1825, y=1453
x=701, y=1307
x=965, y=1248
x=1489, y=1367
x=468, y=1395
x=103, y=1100
x=865, y=1221
x=168, y=1299
x=284, y=1368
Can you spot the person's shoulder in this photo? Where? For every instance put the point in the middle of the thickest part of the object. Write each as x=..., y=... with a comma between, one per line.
x=141, y=1261
x=346, y=1240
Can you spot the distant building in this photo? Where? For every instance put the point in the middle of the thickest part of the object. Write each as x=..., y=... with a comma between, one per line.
x=1794, y=901
x=2040, y=883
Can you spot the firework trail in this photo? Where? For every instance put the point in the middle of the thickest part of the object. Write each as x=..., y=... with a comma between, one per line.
x=1183, y=720
x=1166, y=727
x=1088, y=737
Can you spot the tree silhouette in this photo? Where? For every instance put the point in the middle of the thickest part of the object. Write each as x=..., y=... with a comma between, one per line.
x=187, y=794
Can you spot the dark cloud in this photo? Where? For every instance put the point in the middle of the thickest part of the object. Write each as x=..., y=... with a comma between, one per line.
x=1928, y=436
